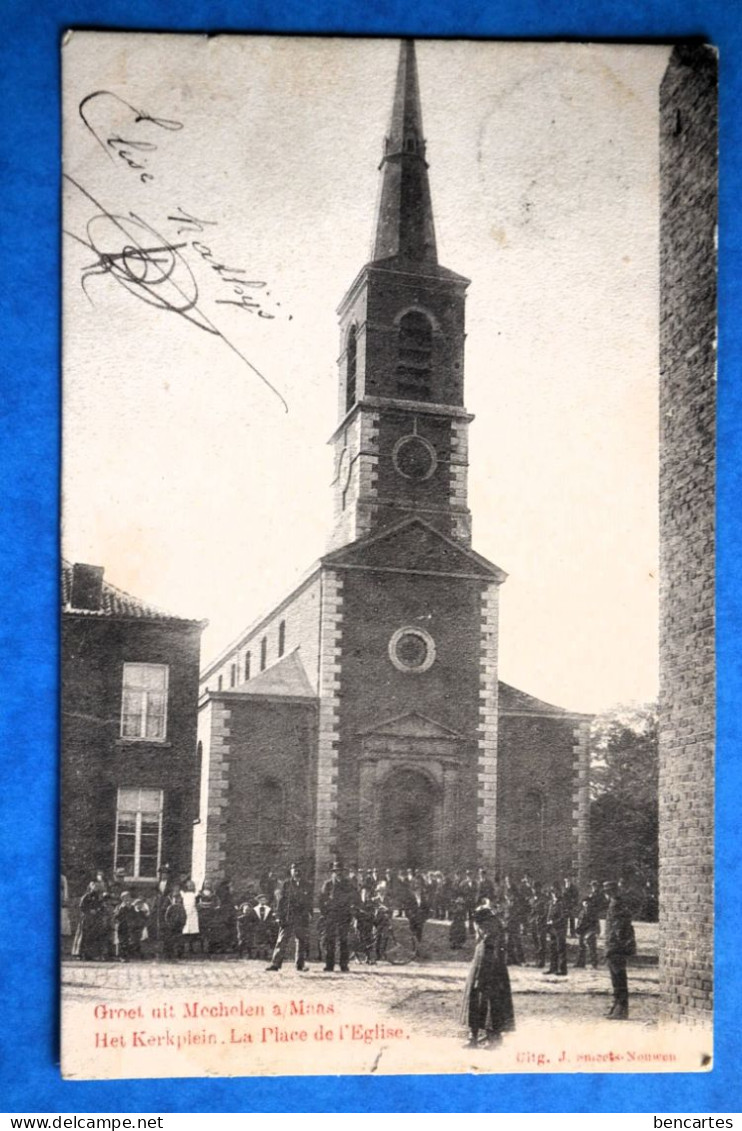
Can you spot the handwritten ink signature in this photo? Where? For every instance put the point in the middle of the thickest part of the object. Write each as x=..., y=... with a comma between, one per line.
x=125, y=148
x=242, y=288
x=149, y=266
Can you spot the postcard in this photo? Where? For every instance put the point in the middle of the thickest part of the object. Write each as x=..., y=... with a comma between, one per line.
x=387, y=581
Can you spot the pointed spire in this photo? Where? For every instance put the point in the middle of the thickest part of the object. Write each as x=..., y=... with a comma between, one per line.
x=404, y=222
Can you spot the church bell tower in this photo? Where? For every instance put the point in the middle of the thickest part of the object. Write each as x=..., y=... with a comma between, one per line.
x=401, y=441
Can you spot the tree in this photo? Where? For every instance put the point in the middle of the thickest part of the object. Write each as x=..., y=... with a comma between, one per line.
x=624, y=789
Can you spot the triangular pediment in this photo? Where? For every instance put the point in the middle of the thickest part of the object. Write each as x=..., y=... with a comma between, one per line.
x=414, y=546
x=411, y=725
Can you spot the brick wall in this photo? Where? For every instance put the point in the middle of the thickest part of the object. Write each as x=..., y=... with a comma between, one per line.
x=687, y=404
x=96, y=761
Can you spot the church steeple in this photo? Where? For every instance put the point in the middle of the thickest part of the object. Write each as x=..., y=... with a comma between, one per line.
x=404, y=222
x=401, y=441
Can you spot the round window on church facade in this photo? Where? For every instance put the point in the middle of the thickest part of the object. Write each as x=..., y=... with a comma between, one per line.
x=412, y=650
x=414, y=457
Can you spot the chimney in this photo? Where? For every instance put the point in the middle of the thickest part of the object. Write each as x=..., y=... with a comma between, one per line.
x=87, y=586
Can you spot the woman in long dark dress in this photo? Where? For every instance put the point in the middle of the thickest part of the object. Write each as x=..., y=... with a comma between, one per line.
x=90, y=937
x=488, y=1001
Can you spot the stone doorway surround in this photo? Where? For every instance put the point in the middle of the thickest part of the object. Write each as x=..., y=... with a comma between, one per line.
x=410, y=744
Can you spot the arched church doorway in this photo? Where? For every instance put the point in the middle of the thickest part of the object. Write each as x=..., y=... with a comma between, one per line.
x=408, y=824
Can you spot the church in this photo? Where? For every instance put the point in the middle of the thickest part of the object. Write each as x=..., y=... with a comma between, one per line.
x=364, y=714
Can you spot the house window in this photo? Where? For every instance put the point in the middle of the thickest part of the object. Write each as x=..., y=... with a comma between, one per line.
x=144, y=702
x=138, y=846
x=263, y=653
x=415, y=357
x=247, y=665
x=233, y=675
x=351, y=369
x=220, y=683
x=281, y=637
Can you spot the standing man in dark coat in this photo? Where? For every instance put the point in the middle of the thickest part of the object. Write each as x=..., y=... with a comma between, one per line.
x=571, y=905
x=538, y=911
x=467, y=891
x=620, y=945
x=416, y=907
x=556, y=930
x=588, y=929
x=336, y=904
x=159, y=905
x=293, y=912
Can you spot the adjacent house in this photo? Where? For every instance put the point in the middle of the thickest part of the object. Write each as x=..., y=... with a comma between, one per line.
x=129, y=758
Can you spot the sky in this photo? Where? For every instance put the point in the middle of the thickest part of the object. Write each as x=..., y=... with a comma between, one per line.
x=196, y=468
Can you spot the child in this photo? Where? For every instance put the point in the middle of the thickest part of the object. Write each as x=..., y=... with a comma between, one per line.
x=175, y=921
x=245, y=930
x=265, y=928
x=125, y=921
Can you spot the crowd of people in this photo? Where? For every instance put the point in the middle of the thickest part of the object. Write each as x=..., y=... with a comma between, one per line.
x=512, y=922
x=550, y=916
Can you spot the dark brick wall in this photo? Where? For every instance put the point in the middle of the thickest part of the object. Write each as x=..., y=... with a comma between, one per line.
x=375, y=306
x=96, y=762
x=424, y=496
x=271, y=740
x=687, y=406
x=372, y=690
x=535, y=774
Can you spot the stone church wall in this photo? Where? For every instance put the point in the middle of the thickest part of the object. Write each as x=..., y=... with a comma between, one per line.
x=535, y=789
x=257, y=774
x=372, y=690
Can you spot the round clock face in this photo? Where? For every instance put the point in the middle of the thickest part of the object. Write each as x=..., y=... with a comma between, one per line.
x=414, y=458
x=412, y=650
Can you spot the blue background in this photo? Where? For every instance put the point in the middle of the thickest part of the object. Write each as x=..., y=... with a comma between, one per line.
x=29, y=405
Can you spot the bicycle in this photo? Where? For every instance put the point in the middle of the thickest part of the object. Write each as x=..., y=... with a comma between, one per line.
x=393, y=943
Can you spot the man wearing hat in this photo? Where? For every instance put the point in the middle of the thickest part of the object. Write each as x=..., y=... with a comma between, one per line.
x=293, y=912
x=620, y=945
x=336, y=903
x=556, y=933
x=160, y=904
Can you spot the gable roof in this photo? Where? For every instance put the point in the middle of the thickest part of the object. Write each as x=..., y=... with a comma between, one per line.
x=116, y=602
x=511, y=701
x=414, y=546
x=286, y=677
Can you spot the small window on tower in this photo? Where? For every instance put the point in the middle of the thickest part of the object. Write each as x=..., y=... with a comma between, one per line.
x=414, y=368
x=350, y=369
